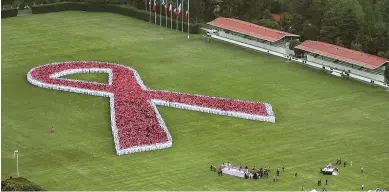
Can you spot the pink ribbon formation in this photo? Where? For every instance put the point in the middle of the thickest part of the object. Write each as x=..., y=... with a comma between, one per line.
x=136, y=123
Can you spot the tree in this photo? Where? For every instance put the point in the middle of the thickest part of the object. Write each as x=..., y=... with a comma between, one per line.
x=348, y=27
x=309, y=9
x=208, y=12
x=270, y=23
x=330, y=26
x=278, y=7
x=355, y=45
x=285, y=24
x=230, y=8
x=339, y=42
x=310, y=31
x=383, y=54
x=296, y=22
x=216, y=11
x=293, y=43
x=267, y=15
x=197, y=10
x=7, y=2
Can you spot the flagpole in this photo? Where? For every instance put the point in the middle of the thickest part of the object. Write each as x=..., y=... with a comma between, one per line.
x=171, y=14
x=177, y=17
x=17, y=161
x=150, y=11
x=182, y=17
x=160, y=14
x=155, y=12
x=166, y=14
x=188, y=19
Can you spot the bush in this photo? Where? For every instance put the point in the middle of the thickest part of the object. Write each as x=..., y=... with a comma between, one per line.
x=383, y=54
x=21, y=6
x=293, y=43
x=9, y=13
x=7, y=2
x=122, y=10
x=20, y=184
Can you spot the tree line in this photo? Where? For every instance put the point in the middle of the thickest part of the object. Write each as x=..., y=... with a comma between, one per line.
x=361, y=25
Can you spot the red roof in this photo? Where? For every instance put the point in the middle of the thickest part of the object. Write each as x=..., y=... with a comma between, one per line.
x=343, y=54
x=250, y=29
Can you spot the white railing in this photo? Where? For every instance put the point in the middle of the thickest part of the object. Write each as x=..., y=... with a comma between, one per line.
x=356, y=71
x=246, y=45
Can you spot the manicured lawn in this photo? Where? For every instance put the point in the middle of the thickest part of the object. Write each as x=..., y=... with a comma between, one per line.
x=319, y=117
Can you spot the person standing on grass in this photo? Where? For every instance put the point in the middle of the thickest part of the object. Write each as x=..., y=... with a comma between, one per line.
x=219, y=171
x=344, y=164
x=52, y=130
x=302, y=187
x=361, y=169
x=363, y=186
x=283, y=168
x=326, y=182
x=351, y=163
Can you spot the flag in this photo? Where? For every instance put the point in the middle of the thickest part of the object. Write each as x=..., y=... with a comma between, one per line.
x=178, y=10
x=150, y=2
x=165, y=6
x=155, y=6
x=175, y=11
x=170, y=8
x=186, y=15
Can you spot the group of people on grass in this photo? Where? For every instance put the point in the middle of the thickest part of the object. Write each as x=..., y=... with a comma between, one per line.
x=262, y=173
x=248, y=174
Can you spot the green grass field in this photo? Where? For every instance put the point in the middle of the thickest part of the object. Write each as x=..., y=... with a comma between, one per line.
x=319, y=117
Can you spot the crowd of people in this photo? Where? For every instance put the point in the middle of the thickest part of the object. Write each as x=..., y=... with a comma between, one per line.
x=135, y=118
x=253, y=173
x=261, y=173
x=378, y=190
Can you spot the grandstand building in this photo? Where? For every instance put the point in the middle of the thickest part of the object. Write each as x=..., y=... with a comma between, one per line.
x=347, y=62
x=253, y=36
x=338, y=61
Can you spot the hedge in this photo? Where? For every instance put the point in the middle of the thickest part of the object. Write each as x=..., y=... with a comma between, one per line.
x=20, y=184
x=9, y=13
x=122, y=10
